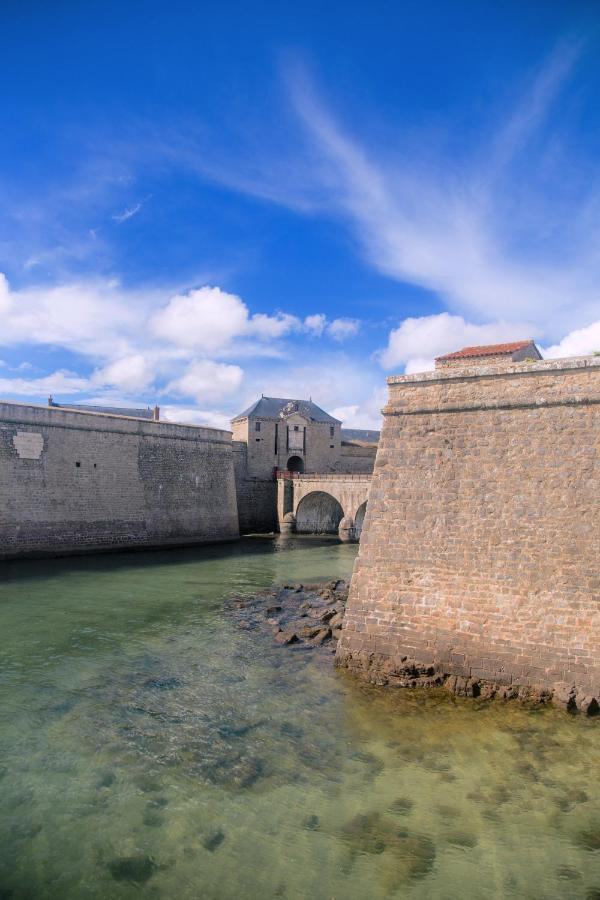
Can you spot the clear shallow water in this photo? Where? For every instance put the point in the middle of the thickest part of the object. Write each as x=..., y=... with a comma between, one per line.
x=150, y=747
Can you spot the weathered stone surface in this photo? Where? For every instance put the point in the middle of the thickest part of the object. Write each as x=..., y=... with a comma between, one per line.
x=479, y=557
x=82, y=482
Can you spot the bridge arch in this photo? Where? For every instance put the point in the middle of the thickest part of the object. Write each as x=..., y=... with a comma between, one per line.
x=359, y=519
x=318, y=513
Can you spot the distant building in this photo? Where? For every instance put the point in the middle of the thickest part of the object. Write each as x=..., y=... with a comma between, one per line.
x=490, y=354
x=152, y=413
x=299, y=436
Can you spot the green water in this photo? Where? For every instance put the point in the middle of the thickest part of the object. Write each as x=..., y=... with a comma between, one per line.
x=149, y=747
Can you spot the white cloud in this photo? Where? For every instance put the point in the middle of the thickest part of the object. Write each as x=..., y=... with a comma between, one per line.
x=205, y=380
x=59, y=382
x=581, y=342
x=190, y=415
x=270, y=327
x=363, y=415
x=315, y=324
x=503, y=231
x=130, y=373
x=341, y=329
x=205, y=319
x=128, y=213
x=417, y=341
x=209, y=319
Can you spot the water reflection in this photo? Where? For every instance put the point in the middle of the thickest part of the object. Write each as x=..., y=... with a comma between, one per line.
x=148, y=744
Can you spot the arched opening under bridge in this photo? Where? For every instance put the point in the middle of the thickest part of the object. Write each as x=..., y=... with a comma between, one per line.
x=359, y=519
x=318, y=513
x=295, y=464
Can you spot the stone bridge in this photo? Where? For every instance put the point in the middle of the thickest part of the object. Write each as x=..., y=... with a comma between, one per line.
x=322, y=504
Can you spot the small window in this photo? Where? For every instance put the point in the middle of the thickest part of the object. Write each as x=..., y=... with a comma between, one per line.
x=296, y=428
x=331, y=430
x=78, y=465
x=257, y=426
x=332, y=446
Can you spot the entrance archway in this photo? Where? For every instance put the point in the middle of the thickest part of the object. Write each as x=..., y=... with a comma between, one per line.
x=318, y=513
x=359, y=519
x=295, y=464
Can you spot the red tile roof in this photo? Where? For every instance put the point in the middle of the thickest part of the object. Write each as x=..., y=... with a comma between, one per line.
x=488, y=350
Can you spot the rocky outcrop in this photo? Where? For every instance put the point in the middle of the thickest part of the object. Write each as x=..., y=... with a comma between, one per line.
x=307, y=615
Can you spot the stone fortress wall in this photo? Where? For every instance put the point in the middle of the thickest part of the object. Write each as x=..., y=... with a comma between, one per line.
x=480, y=550
x=73, y=482
x=256, y=497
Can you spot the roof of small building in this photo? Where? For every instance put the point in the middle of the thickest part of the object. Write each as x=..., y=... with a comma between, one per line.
x=279, y=407
x=360, y=435
x=111, y=410
x=490, y=350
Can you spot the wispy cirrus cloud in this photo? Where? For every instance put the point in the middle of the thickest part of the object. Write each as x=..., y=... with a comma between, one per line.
x=481, y=233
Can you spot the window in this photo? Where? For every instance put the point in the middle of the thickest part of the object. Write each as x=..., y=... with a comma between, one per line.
x=296, y=428
x=332, y=446
x=331, y=430
x=257, y=426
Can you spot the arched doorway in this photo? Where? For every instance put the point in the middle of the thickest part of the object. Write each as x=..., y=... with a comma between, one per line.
x=318, y=513
x=295, y=464
x=359, y=519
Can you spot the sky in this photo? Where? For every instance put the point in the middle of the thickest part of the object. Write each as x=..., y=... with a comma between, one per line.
x=204, y=202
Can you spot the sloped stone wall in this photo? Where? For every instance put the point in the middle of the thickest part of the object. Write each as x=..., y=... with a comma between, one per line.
x=480, y=551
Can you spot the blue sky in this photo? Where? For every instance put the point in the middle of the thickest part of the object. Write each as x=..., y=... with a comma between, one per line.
x=203, y=202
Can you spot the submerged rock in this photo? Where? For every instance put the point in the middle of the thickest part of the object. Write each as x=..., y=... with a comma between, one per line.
x=401, y=806
x=312, y=823
x=137, y=869
x=213, y=839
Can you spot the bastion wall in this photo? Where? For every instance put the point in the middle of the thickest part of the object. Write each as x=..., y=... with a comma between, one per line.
x=74, y=482
x=478, y=563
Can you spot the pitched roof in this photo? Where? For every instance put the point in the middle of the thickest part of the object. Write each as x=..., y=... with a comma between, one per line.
x=111, y=410
x=488, y=350
x=364, y=436
x=277, y=407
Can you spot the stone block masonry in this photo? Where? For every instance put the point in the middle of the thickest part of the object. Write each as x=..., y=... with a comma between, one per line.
x=75, y=482
x=478, y=563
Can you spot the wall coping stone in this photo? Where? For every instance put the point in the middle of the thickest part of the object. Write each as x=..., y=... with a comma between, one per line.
x=539, y=367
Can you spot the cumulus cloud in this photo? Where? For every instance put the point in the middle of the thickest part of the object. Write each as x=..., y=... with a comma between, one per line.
x=206, y=380
x=417, y=341
x=366, y=414
x=581, y=342
x=315, y=324
x=131, y=373
x=210, y=319
x=341, y=329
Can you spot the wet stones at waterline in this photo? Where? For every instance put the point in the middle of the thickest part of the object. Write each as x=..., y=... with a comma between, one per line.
x=299, y=616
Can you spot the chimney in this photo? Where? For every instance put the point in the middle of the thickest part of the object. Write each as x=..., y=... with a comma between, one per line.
x=50, y=400
x=156, y=414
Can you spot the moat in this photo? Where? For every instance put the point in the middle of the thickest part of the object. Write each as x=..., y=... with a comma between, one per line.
x=151, y=747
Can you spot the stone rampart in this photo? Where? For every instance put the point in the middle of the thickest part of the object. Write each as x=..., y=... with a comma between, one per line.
x=479, y=554
x=256, y=497
x=74, y=482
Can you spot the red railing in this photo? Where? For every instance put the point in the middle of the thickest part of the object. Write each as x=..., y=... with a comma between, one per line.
x=285, y=473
